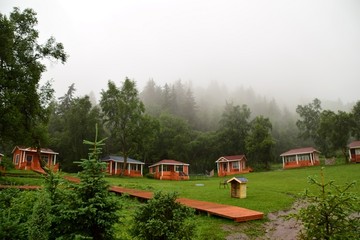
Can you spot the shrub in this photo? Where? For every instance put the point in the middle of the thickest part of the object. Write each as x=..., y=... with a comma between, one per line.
x=163, y=218
x=331, y=213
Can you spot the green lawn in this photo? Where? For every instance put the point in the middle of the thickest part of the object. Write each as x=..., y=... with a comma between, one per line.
x=266, y=191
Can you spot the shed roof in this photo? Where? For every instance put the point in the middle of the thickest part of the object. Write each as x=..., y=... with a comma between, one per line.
x=31, y=149
x=354, y=144
x=231, y=158
x=299, y=151
x=168, y=162
x=120, y=159
x=238, y=179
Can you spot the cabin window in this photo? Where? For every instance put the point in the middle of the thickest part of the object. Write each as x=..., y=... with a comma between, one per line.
x=45, y=159
x=235, y=165
x=134, y=167
x=290, y=159
x=179, y=168
x=357, y=151
x=303, y=157
x=165, y=168
x=17, y=158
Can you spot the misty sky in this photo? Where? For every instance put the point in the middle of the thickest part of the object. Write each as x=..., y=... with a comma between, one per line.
x=300, y=48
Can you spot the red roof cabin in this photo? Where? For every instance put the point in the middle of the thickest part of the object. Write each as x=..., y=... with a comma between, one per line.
x=115, y=165
x=230, y=165
x=28, y=158
x=170, y=170
x=354, y=152
x=300, y=157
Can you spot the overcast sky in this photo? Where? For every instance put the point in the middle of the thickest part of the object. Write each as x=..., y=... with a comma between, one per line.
x=298, y=48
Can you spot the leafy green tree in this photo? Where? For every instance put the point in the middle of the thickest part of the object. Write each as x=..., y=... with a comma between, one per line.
x=174, y=138
x=72, y=120
x=334, y=130
x=162, y=217
x=123, y=116
x=259, y=141
x=23, y=104
x=330, y=213
x=355, y=114
x=234, y=127
x=310, y=120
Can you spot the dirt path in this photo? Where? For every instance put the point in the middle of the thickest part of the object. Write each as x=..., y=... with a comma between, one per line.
x=277, y=228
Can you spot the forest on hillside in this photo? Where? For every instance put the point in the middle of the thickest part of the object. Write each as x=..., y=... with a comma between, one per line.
x=175, y=124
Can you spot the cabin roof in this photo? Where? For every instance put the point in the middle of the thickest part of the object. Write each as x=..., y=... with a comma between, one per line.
x=31, y=149
x=231, y=158
x=120, y=159
x=354, y=144
x=299, y=151
x=169, y=162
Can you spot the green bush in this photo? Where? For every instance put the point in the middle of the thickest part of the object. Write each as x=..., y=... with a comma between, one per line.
x=331, y=213
x=7, y=163
x=163, y=218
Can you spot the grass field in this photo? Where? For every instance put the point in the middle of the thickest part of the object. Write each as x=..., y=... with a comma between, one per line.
x=266, y=192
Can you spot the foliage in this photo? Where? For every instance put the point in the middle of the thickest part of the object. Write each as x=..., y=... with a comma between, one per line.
x=259, y=141
x=309, y=124
x=16, y=209
x=331, y=213
x=72, y=120
x=40, y=220
x=123, y=116
x=23, y=107
x=174, y=137
x=355, y=112
x=233, y=130
x=334, y=130
x=163, y=218
x=7, y=163
x=94, y=209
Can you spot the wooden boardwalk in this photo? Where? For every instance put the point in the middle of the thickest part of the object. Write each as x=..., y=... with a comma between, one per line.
x=235, y=213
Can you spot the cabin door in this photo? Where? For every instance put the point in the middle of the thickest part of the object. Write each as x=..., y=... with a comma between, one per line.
x=28, y=160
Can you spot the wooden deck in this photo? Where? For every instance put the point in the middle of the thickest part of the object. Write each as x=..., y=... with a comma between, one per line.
x=235, y=213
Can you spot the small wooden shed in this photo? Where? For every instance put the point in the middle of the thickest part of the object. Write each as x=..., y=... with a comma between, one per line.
x=238, y=187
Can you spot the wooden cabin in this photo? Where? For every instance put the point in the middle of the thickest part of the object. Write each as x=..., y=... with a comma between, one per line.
x=230, y=165
x=170, y=170
x=29, y=158
x=115, y=165
x=300, y=157
x=354, y=152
